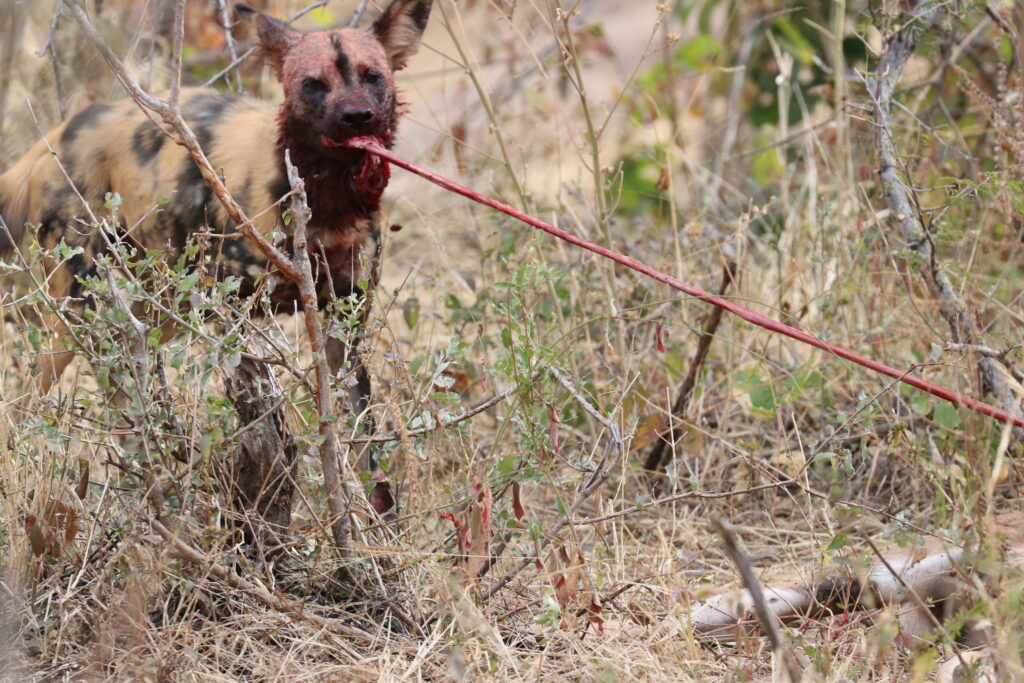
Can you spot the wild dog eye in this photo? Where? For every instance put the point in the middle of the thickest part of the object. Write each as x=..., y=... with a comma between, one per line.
x=314, y=86
x=372, y=77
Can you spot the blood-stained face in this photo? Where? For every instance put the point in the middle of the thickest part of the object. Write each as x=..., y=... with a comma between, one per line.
x=340, y=84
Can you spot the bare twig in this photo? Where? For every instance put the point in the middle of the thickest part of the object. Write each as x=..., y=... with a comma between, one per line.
x=656, y=457
x=987, y=351
x=229, y=37
x=902, y=203
x=179, y=44
x=739, y=77
x=138, y=332
x=563, y=521
x=689, y=495
x=51, y=49
x=357, y=16
x=237, y=61
x=441, y=424
x=48, y=45
x=768, y=620
x=15, y=22
x=564, y=380
x=919, y=603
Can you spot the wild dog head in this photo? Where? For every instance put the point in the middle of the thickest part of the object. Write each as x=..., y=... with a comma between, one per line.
x=340, y=84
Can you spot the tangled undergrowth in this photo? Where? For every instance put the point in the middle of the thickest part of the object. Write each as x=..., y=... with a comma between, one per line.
x=519, y=384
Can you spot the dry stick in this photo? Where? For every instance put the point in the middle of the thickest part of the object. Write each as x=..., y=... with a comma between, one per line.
x=982, y=350
x=689, y=495
x=768, y=620
x=357, y=16
x=901, y=200
x=229, y=25
x=656, y=460
x=300, y=274
x=750, y=316
x=237, y=61
x=441, y=424
x=612, y=428
x=9, y=44
x=565, y=519
x=330, y=458
x=185, y=552
x=49, y=48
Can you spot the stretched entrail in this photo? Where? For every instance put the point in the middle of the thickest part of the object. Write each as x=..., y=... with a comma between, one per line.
x=373, y=146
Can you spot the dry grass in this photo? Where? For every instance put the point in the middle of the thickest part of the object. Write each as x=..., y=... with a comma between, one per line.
x=697, y=171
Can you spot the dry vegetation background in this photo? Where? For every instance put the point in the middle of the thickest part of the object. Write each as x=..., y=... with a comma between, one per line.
x=687, y=135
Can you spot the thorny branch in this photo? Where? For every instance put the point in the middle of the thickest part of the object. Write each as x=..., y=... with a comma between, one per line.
x=901, y=200
x=657, y=459
x=483, y=406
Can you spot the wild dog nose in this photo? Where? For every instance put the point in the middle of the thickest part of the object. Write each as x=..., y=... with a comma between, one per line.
x=356, y=115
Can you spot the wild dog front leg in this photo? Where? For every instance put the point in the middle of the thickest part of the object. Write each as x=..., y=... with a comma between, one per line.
x=65, y=295
x=51, y=364
x=341, y=355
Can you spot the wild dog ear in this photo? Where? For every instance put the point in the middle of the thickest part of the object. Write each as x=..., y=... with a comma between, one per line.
x=275, y=38
x=400, y=28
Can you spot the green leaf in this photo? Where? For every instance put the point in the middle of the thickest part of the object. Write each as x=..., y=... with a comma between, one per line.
x=699, y=53
x=838, y=541
x=411, y=311
x=795, y=42
x=189, y=282
x=921, y=404
x=324, y=18
x=35, y=338
x=767, y=166
x=762, y=398
x=946, y=416
x=507, y=465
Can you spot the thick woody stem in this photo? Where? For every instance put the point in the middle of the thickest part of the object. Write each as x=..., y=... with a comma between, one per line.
x=900, y=198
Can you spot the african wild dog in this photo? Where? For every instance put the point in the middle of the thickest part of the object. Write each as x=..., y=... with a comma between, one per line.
x=338, y=84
